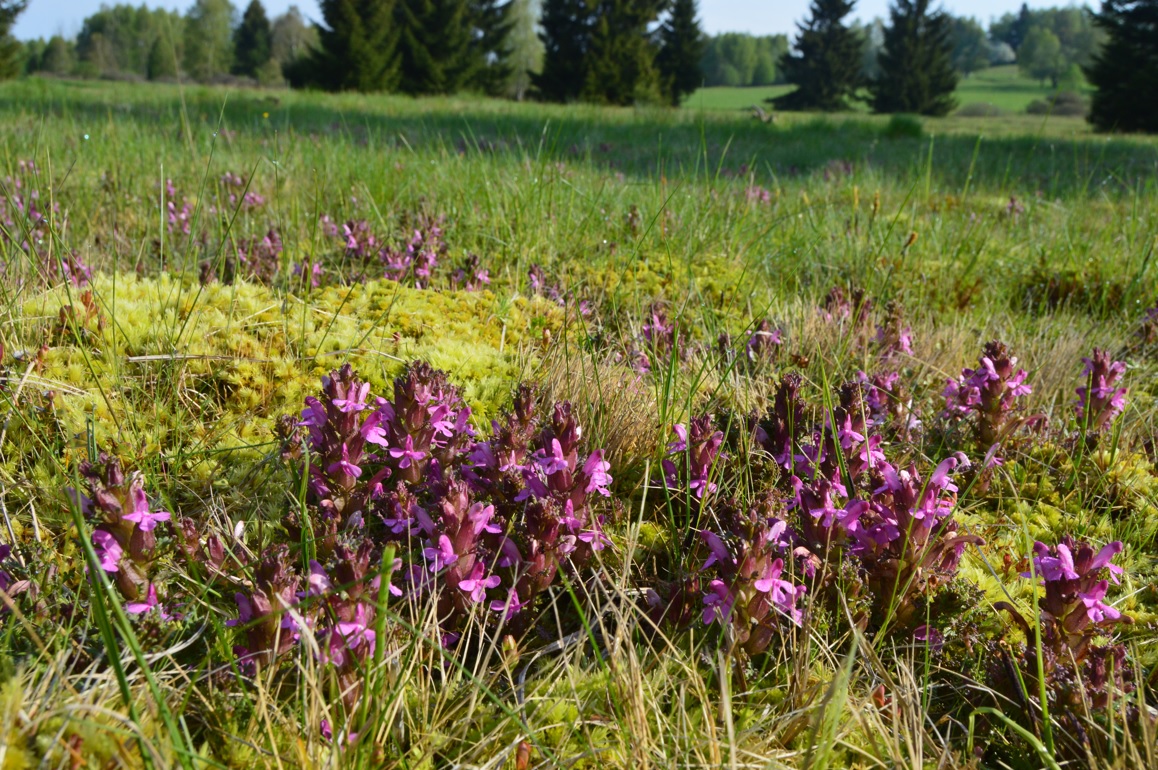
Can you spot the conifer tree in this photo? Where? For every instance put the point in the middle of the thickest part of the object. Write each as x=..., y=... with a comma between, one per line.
x=493, y=22
x=620, y=66
x=435, y=46
x=681, y=49
x=916, y=62
x=359, y=46
x=826, y=65
x=525, y=54
x=251, y=41
x=1125, y=71
x=566, y=35
x=11, y=51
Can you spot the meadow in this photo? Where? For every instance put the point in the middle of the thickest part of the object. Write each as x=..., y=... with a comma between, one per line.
x=355, y=431
x=1002, y=88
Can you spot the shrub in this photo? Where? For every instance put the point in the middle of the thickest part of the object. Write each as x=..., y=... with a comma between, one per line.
x=1062, y=104
x=902, y=126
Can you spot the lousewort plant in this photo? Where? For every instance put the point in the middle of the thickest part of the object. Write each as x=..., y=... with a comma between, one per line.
x=481, y=526
x=988, y=395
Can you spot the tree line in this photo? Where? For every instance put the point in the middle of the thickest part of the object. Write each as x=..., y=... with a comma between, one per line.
x=612, y=51
x=913, y=62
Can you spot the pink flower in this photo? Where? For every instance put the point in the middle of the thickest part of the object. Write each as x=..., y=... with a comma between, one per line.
x=510, y=606
x=355, y=401
x=141, y=516
x=108, y=550
x=596, y=471
x=717, y=550
x=476, y=585
x=151, y=601
x=344, y=466
x=552, y=463
x=1096, y=610
x=407, y=454
x=480, y=518
x=1060, y=567
x=717, y=602
x=442, y=555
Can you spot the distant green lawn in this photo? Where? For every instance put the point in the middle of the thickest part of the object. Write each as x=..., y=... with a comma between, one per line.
x=1003, y=87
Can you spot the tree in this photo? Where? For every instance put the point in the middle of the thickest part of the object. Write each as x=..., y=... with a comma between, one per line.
x=525, y=54
x=163, y=58
x=1125, y=71
x=291, y=38
x=621, y=58
x=358, y=46
x=58, y=58
x=971, y=49
x=566, y=35
x=917, y=73
x=435, y=46
x=1011, y=29
x=1040, y=56
x=493, y=22
x=252, y=41
x=11, y=51
x=681, y=48
x=825, y=67
x=209, y=39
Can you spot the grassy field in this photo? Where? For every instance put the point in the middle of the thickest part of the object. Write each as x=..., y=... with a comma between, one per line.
x=1003, y=87
x=743, y=441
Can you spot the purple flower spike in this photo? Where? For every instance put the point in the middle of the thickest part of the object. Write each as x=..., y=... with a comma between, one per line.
x=1099, y=399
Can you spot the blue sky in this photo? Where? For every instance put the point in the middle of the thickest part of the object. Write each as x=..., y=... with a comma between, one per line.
x=45, y=18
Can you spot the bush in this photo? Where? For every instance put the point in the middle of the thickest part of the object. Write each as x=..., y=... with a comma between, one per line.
x=902, y=126
x=980, y=110
x=1063, y=103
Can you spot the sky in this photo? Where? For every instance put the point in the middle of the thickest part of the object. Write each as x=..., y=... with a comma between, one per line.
x=45, y=18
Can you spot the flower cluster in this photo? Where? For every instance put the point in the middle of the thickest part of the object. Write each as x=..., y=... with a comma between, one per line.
x=482, y=525
x=893, y=335
x=23, y=212
x=124, y=536
x=416, y=260
x=260, y=258
x=750, y=593
x=1100, y=400
x=1081, y=674
x=988, y=394
x=692, y=458
x=234, y=185
x=853, y=309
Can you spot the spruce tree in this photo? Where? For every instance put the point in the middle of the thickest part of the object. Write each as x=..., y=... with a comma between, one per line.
x=620, y=67
x=493, y=22
x=681, y=48
x=251, y=41
x=566, y=35
x=916, y=62
x=435, y=46
x=826, y=64
x=1125, y=71
x=358, y=46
